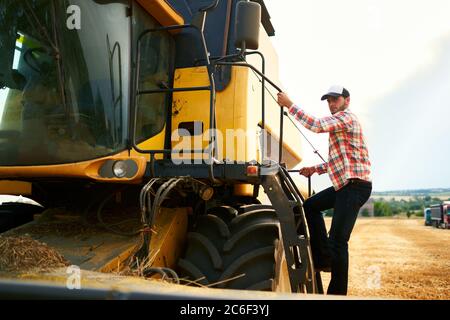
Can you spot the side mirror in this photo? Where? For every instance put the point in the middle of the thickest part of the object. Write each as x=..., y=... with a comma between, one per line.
x=248, y=20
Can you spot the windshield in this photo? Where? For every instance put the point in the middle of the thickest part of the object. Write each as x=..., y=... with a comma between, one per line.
x=63, y=88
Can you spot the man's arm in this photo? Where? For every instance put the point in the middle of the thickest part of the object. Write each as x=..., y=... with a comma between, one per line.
x=335, y=123
x=321, y=168
x=340, y=121
x=309, y=171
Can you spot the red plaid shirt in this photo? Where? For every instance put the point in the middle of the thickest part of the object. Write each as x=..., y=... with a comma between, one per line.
x=348, y=156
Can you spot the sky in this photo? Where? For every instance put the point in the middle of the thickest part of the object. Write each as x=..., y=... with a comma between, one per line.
x=394, y=58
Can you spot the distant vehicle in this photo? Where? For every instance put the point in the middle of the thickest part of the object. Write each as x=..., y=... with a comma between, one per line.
x=446, y=215
x=440, y=215
x=427, y=216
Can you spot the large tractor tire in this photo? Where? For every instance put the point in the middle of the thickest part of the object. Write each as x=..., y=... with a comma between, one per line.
x=231, y=251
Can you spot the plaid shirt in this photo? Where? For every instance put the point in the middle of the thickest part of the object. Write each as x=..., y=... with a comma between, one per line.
x=348, y=156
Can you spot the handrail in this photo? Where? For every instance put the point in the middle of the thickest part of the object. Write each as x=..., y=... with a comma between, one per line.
x=210, y=88
x=240, y=64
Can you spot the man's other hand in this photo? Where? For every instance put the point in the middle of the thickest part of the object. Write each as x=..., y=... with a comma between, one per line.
x=307, y=171
x=284, y=101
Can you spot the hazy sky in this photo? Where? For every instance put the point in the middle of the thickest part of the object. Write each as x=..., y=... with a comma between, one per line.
x=394, y=57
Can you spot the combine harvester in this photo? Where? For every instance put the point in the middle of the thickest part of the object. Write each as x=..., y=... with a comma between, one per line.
x=145, y=134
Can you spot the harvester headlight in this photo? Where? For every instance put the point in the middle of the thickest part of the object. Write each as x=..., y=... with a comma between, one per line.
x=120, y=169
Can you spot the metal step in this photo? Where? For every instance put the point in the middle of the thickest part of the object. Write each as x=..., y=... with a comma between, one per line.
x=288, y=204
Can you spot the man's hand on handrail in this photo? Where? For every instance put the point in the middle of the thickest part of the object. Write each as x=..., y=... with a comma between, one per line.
x=307, y=171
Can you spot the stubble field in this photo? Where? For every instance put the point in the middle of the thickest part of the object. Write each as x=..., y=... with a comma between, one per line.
x=398, y=259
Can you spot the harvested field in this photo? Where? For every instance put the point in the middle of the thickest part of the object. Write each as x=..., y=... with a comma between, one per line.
x=398, y=259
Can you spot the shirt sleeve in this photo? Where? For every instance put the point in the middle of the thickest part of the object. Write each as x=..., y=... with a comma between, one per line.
x=340, y=121
x=321, y=168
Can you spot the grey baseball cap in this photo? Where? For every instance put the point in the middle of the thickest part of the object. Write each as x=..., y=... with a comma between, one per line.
x=336, y=91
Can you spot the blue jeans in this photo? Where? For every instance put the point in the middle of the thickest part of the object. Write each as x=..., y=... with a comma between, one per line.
x=333, y=249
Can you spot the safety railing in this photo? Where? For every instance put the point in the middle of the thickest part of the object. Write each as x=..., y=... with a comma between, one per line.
x=211, y=88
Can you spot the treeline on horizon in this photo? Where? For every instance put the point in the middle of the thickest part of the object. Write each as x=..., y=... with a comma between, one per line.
x=413, y=206
x=385, y=207
x=417, y=192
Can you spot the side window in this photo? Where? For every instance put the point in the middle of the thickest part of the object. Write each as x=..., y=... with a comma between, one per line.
x=155, y=69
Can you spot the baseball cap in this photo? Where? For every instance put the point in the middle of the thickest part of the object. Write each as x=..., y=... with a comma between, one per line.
x=336, y=91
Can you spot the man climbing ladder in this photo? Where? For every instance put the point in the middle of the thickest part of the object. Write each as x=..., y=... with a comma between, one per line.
x=349, y=170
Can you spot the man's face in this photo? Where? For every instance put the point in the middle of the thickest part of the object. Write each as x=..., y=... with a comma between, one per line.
x=337, y=104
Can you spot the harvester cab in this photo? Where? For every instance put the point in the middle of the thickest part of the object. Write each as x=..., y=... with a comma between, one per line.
x=144, y=130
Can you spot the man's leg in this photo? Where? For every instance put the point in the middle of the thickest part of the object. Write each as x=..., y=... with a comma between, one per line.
x=348, y=202
x=316, y=225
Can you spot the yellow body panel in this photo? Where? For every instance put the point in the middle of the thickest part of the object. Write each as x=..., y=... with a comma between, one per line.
x=16, y=188
x=86, y=169
x=162, y=12
x=231, y=115
x=154, y=143
x=168, y=242
x=291, y=157
x=190, y=106
x=238, y=114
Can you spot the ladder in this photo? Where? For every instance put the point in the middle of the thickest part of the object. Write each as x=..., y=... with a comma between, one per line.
x=288, y=204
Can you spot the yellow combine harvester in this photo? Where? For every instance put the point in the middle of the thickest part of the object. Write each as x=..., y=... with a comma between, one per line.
x=143, y=132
